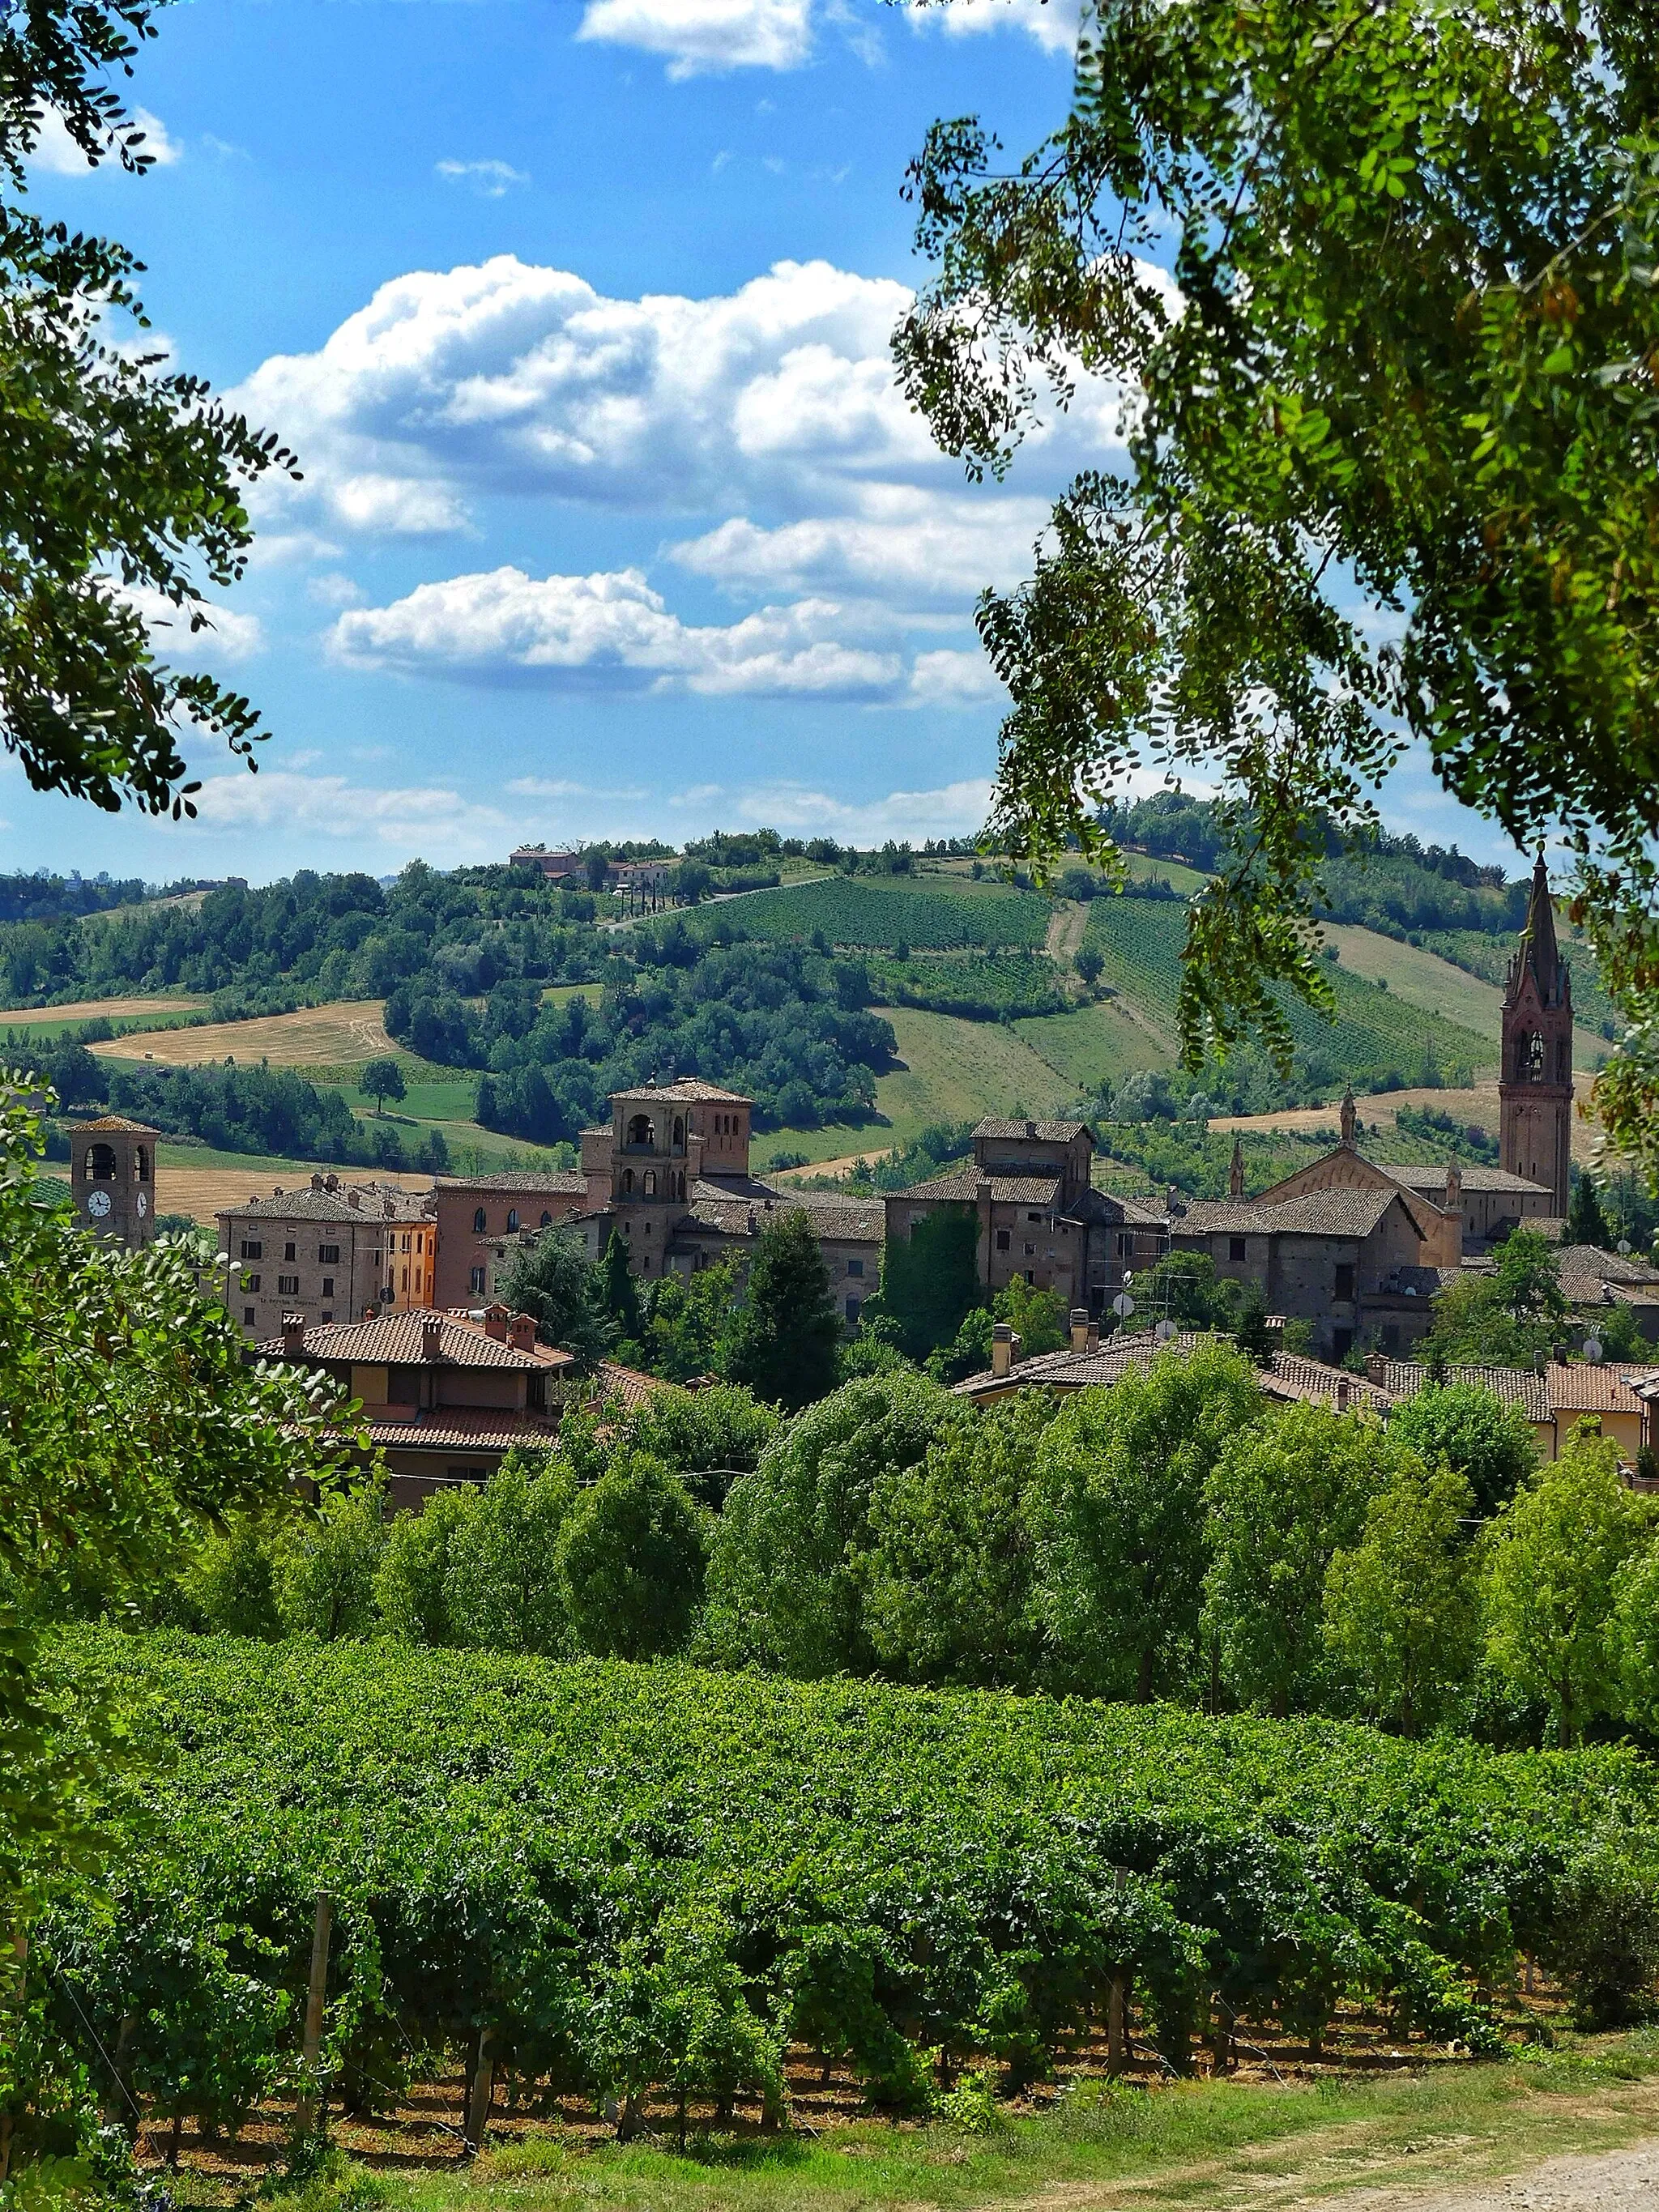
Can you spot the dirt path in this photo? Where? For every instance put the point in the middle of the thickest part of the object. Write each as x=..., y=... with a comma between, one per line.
x=1612, y=2181
x=1065, y=926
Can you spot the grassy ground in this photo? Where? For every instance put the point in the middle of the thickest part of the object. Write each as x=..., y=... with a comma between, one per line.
x=1096, y=1045
x=1269, y=2146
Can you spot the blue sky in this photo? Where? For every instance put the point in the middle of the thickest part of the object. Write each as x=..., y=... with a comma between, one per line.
x=576, y=313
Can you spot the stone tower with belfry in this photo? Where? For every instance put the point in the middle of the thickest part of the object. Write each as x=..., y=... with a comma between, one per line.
x=1534, y=1086
x=112, y=1176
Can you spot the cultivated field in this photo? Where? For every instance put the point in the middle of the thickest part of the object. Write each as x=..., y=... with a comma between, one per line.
x=1424, y=979
x=1097, y=1044
x=202, y=1192
x=1476, y=1106
x=85, y=1009
x=342, y=1035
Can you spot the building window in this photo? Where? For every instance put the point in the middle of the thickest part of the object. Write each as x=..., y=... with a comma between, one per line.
x=547, y=1218
x=1126, y=1245
x=1034, y=1216
x=648, y=1184
x=288, y=1287
x=1002, y=1240
x=328, y=1287
x=1030, y=1250
x=328, y=1316
x=1344, y=1282
x=855, y=1267
x=328, y=1255
x=288, y=1252
x=406, y=1282
x=679, y=1131
x=466, y=1473
x=252, y=1248
x=512, y=1221
x=1030, y=1277
x=247, y=1316
x=1235, y=1248
x=476, y=1281
x=252, y=1281
x=628, y=1182
x=852, y=1309
x=478, y=1222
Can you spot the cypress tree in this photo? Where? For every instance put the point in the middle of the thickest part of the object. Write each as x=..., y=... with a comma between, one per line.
x=617, y=1292
x=786, y=1334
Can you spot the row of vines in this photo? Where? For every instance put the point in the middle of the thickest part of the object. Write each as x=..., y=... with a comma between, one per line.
x=623, y=1881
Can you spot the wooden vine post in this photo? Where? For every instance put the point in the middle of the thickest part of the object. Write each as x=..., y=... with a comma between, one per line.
x=484, y=2086
x=1117, y=2001
x=14, y=1969
x=309, y=2109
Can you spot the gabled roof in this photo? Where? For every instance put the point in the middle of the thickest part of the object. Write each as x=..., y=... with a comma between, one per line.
x=1514, y=1386
x=1577, y=1386
x=1589, y=1259
x=566, y=1181
x=1290, y=1375
x=612, y=1380
x=1046, y=1133
x=459, y=1429
x=330, y=1206
x=1098, y=1368
x=963, y=1184
x=853, y=1220
x=1316, y=1213
x=1430, y=1176
x=395, y=1339
x=112, y=1125
x=688, y=1090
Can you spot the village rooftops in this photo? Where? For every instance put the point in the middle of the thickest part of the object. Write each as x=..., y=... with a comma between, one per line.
x=1317, y=1213
x=565, y=1181
x=1045, y=1133
x=376, y=1202
x=967, y=1185
x=832, y=1216
x=415, y=1337
x=1429, y=1176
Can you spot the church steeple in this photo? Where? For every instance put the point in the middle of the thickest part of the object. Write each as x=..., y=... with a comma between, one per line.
x=1534, y=1086
x=1349, y=1119
x=1236, y=1172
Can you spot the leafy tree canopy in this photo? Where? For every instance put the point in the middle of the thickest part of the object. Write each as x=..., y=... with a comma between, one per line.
x=785, y=1335
x=121, y=483
x=1402, y=346
x=553, y=1281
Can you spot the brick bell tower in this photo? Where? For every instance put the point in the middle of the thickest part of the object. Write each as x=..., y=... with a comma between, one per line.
x=1534, y=1088
x=112, y=1176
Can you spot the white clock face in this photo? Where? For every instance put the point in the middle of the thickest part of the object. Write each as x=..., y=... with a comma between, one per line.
x=143, y=1206
x=98, y=1204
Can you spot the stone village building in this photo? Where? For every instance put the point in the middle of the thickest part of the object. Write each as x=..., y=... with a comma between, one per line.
x=330, y=1252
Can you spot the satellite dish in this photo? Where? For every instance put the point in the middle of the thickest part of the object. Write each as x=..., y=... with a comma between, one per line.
x=1624, y=1246
x=1164, y=1330
x=1123, y=1305
x=1592, y=1348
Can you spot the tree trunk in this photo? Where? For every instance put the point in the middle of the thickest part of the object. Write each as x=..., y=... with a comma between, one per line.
x=1144, y=1680
x=174, y=2139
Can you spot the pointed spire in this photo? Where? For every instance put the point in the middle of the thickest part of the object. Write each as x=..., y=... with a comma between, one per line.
x=1349, y=1118
x=1236, y=1173
x=1541, y=953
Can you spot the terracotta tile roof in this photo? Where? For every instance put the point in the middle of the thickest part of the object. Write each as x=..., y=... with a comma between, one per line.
x=1431, y=1176
x=612, y=1380
x=1292, y=1374
x=1589, y=1259
x=847, y=1219
x=1005, y=1190
x=1319, y=1214
x=452, y=1429
x=1048, y=1132
x=327, y=1205
x=1516, y=1386
x=395, y=1339
x=567, y=1180
x=688, y=1091
x=115, y=1125
x=1098, y=1368
x=1110, y=1207
x=1579, y=1388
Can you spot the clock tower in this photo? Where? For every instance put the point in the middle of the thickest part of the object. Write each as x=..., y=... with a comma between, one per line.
x=1535, y=1087
x=113, y=1176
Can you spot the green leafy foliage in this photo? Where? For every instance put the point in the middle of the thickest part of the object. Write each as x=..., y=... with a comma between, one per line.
x=929, y=1280
x=1400, y=347
x=1467, y=1428
x=382, y=1079
x=553, y=1281
x=631, y=1558
x=1507, y=1318
x=642, y=1880
x=784, y=1337
x=1400, y=1605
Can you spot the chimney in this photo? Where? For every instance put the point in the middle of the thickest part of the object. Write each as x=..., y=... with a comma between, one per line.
x=1030, y=1128
x=1079, y=1328
x=432, y=1336
x=1002, y=1348
x=355, y=1200
x=1344, y=1392
x=1538, y=1363
x=1093, y=1343
x=293, y=1335
x=521, y=1333
x=495, y=1321
x=316, y=1182
x=1376, y=1369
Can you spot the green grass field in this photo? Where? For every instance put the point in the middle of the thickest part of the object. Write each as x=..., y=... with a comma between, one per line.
x=1268, y=2146
x=1094, y=1046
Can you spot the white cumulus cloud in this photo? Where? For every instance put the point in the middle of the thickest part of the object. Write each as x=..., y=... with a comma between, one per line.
x=433, y=820
x=923, y=549
x=699, y=37
x=56, y=151
x=231, y=635
x=610, y=628
x=951, y=809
